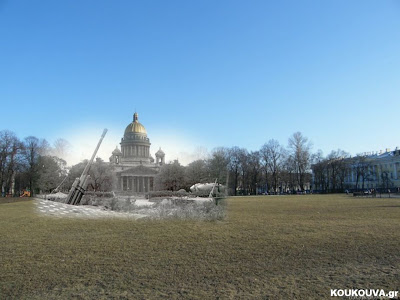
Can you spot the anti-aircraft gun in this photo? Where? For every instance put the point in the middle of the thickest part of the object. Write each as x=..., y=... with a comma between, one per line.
x=79, y=186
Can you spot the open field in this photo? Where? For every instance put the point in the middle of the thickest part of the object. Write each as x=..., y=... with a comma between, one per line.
x=268, y=247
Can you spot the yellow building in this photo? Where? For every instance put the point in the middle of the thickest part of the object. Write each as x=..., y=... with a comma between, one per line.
x=381, y=170
x=366, y=171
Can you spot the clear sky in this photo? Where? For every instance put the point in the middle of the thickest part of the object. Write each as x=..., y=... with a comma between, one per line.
x=202, y=73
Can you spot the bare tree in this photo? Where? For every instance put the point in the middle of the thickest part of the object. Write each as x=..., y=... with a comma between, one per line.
x=363, y=169
x=236, y=167
x=254, y=171
x=171, y=177
x=385, y=181
x=51, y=171
x=33, y=148
x=245, y=168
x=343, y=168
x=319, y=169
x=196, y=172
x=300, y=152
x=101, y=175
x=217, y=165
x=337, y=168
x=10, y=149
x=273, y=157
x=61, y=148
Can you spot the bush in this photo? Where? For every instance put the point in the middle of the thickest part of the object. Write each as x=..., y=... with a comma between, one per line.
x=168, y=208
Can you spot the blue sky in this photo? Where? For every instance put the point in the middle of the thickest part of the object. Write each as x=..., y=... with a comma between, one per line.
x=202, y=74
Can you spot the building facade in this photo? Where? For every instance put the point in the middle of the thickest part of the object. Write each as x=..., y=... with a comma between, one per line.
x=374, y=171
x=379, y=171
x=133, y=164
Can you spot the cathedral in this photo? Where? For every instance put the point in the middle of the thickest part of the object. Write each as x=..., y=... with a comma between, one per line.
x=134, y=166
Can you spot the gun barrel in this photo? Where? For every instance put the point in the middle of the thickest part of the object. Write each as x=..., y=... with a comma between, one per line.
x=79, y=186
x=88, y=165
x=72, y=191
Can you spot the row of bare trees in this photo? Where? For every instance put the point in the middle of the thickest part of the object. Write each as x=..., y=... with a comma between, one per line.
x=28, y=164
x=32, y=164
x=330, y=172
x=273, y=169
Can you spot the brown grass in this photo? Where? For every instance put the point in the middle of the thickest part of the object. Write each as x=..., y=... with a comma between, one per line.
x=13, y=199
x=269, y=247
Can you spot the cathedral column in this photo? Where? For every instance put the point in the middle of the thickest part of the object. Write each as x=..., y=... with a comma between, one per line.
x=148, y=183
x=123, y=182
x=142, y=184
x=135, y=184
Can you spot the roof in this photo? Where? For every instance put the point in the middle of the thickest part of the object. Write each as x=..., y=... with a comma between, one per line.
x=116, y=151
x=160, y=152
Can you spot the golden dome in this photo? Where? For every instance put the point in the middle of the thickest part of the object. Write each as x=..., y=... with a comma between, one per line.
x=135, y=126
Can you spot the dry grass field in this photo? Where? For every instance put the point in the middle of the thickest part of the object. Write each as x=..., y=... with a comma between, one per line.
x=268, y=247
